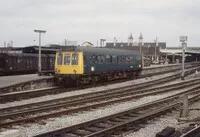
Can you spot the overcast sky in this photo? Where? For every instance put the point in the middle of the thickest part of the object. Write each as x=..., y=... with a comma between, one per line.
x=90, y=20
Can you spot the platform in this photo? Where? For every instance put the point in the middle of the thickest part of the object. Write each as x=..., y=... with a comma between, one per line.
x=17, y=79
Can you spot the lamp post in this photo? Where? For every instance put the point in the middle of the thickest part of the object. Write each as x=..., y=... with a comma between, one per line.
x=156, y=44
x=140, y=42
x=39, y=53
x=183, y=39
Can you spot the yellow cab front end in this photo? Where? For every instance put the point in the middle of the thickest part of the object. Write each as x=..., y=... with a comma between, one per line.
x=68, y=63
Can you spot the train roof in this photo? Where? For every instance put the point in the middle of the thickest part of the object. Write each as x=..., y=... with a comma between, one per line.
x=22, y=54
x=99, y=50
x=44, y=50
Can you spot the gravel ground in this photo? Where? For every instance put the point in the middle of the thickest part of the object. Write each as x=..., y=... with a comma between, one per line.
x=78, y=92
x=168, y=120
x=154, y=127
x=68, y=120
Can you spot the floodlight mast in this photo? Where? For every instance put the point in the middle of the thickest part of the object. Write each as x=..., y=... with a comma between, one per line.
x=39, y=52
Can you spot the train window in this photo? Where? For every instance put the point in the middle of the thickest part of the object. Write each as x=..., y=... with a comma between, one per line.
x=31, y=62
x=74, y=59
x=123, y=59
x=132, y=60
x=118, y=59
x=59, y=59
x=114, y=59
x=93, y=59
x=101, y=59
x=108, y=58
x=67, y=59
x=127, y=59
x=18, y=61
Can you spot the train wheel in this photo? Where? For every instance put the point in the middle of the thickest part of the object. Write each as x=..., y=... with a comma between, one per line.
x=132, y=75
x=79, y=84
x=94, y=80
x=137, y=75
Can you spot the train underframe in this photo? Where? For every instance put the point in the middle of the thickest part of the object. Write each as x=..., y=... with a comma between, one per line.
x=94, y=78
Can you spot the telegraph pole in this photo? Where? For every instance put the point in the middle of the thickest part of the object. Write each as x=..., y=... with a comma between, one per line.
x=183, y=39
x=39, y=53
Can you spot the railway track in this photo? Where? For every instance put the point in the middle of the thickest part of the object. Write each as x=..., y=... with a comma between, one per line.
x=146, y=72
x=195, y=132
x=28, y=113
x=156, y=70
x=13, y=96
x=115, y=124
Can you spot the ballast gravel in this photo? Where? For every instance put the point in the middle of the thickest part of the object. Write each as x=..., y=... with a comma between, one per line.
x=69, y=120
x=154, y=127
x=171, y=120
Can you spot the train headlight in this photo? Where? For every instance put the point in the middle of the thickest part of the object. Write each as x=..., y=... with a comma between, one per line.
x=92, y=69
x=131, y=66
x=139, y=65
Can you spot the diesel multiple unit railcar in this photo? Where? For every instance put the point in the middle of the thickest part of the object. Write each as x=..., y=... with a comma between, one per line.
x=84, y=65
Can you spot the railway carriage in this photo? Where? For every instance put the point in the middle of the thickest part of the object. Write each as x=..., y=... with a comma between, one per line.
x=84, y=65
x=23, y=63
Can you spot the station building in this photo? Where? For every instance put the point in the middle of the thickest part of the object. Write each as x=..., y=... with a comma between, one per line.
x=149, y=50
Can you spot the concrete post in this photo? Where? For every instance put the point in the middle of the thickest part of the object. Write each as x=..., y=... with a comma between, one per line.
x=183, y=60
x=39, y=58
x=173, y=58
x=185, y=111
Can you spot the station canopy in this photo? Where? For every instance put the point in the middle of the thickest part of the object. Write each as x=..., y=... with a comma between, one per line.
x=178, y=50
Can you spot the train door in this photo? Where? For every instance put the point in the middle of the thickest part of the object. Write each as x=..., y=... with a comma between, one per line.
x=2, y=64
x=49, y=62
